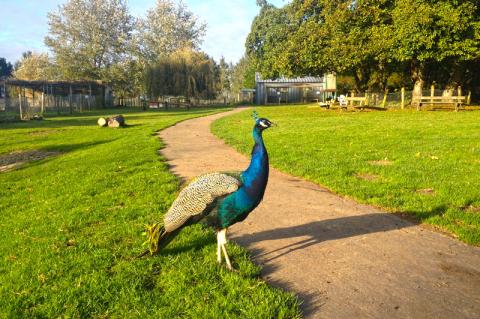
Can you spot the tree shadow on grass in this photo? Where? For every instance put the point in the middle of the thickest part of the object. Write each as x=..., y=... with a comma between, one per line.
x=57, y=151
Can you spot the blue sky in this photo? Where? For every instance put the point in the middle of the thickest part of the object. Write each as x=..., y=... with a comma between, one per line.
x=23, y=24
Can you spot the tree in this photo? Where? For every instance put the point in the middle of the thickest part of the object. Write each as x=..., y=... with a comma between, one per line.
x=185, y=72
x=447, y=33
x=34, y=66
x=243, y=75
x=264, y=44
x=167, y=28
x=225, y=78
x=90, y=39
x=6, y=68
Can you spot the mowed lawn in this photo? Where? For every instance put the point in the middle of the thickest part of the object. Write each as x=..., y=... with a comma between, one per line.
x=71, y=226
x=426, y=164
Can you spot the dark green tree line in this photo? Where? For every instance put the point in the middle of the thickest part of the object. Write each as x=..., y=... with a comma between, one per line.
x=373, y=41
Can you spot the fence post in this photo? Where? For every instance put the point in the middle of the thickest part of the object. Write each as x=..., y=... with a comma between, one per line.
x=70, y=100
x=20, y=105
x=7, y=102
x=384, y=102
x=42, y=103
x=402, y=95
x=432, y=93
x=459, y=90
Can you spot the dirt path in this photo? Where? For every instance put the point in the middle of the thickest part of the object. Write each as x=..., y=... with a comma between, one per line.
x=345, y=260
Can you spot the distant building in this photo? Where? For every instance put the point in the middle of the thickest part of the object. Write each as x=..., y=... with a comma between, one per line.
x=295, y=90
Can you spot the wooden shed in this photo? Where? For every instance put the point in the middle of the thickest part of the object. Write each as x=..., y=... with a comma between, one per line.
x=295, y=90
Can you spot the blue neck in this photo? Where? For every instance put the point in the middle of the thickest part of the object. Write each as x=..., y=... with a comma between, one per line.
x=256, y=175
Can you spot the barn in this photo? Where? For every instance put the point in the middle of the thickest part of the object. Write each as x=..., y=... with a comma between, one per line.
x=295, y=90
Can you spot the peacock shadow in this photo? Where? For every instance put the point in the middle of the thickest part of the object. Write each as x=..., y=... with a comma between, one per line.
x=314, y=233
x=321, y=231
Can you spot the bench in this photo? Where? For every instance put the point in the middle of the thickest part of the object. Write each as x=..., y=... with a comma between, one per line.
x=456, y=101
x=351, y=100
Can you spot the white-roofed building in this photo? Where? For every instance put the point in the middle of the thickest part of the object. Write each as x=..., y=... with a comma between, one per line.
x=295, y=90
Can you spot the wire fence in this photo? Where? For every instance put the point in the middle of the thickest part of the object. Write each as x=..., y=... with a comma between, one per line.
x=167, y=102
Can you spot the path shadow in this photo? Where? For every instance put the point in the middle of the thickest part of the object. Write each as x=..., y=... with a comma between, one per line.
x=306, y=235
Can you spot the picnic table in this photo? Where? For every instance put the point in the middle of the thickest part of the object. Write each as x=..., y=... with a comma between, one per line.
x=456, y=101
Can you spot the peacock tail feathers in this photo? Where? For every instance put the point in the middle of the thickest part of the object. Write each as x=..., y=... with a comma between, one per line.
x=153, y=232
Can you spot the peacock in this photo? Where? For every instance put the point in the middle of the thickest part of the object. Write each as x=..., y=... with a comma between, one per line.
x=220, y=199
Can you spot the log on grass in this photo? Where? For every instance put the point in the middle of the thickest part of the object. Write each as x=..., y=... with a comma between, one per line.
x=102, y=122
x=116, y=121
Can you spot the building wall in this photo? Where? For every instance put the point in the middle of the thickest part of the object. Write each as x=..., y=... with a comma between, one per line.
x=266, y=93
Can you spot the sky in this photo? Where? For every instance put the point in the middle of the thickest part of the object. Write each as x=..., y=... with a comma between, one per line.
x=23, y=24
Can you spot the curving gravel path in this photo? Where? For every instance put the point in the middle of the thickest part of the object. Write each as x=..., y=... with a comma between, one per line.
x=344, y=259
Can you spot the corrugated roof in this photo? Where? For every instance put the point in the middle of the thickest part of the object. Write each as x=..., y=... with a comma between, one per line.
x=307, y=79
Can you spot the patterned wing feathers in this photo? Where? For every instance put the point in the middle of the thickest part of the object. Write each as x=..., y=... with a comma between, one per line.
x=195, y=198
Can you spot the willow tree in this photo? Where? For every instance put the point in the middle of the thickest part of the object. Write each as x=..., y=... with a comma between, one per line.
x=186, y=72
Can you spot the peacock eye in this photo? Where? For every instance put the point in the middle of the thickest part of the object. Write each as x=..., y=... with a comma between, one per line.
x=262, y=123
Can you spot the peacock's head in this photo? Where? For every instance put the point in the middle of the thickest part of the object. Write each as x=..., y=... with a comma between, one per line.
x=261, y=123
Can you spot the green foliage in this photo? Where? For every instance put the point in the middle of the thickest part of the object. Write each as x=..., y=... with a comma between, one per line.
x=243, y=75
x=167, y=28
x=369, y=40
x=90, y=38
x=72, y=226
x=6, y=68
x=33, y=66
x=421, y=163
x=265, y=40
x=184, y=73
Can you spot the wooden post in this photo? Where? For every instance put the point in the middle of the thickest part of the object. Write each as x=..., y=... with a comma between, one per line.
x=469, y=96
x=89, y=97
x=352, y=94
x=432, y=93
x=70, y=100
x=7, y=101
x=459, y=91
x=20, y=105
x=403, y=98
x=42, y=103
x=33, y=97
x=366, y=99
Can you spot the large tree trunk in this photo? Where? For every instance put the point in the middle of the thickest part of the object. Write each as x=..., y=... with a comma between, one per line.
x=417, y=70
x=361, y=77
x=456, y=78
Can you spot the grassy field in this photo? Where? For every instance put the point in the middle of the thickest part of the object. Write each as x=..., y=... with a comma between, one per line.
x=426, y=164
x=71, y=225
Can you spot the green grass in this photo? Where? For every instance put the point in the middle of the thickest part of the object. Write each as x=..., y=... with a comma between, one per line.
x=424, y=150
x=71, y=226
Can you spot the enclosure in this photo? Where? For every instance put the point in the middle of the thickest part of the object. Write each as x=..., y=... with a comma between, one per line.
x=25, y=99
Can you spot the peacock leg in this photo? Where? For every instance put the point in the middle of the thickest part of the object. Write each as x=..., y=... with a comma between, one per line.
x=222, y=235
x=227, y=259
x=219, y=248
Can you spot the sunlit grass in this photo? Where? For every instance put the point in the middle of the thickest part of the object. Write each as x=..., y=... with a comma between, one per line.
x=71, y=226
x=426, y=164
